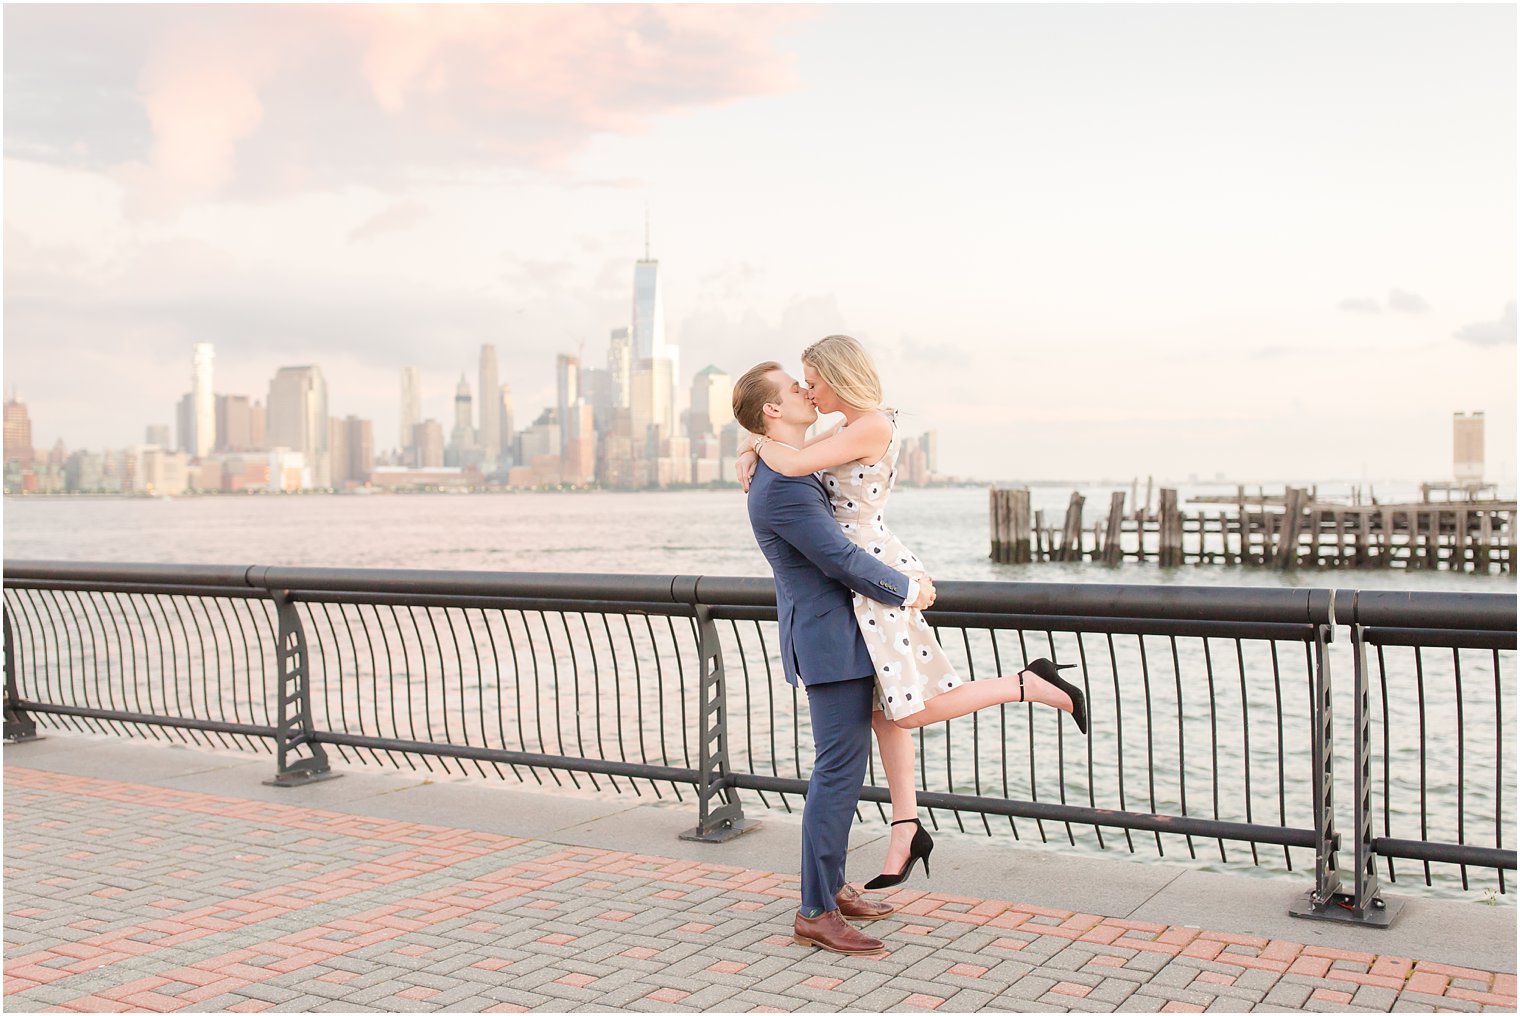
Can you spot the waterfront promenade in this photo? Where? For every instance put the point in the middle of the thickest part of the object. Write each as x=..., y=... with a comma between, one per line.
x=141, y=876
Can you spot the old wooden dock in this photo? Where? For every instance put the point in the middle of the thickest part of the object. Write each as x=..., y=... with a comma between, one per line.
x=1290, y=530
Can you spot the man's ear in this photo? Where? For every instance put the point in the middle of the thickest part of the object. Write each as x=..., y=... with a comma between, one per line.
x=772, y=410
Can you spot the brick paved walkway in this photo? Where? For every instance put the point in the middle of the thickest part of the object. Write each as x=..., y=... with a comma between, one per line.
x=121, y=896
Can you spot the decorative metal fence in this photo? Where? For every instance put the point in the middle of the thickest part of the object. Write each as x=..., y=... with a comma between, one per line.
x=1213, y=727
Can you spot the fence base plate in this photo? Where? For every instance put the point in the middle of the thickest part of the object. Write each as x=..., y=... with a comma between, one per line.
x=21, y=738
x=727, y=830
x=1338, y=909
x=300, y=778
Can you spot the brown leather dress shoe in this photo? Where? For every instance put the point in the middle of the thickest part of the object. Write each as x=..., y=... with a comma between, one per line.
x=830, y=931
x=857, y=908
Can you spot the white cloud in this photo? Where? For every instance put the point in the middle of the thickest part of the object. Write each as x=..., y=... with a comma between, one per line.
x=1490, y=333
x=1360, y=305
x=1406, y=302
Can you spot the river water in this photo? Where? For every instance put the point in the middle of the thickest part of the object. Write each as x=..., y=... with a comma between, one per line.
x=1150, y=685
x=677, y=532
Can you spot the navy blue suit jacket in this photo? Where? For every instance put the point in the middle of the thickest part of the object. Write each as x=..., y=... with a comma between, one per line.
x=816, y=566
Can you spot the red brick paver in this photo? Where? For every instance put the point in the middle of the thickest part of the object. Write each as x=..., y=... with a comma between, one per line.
x=196, y=918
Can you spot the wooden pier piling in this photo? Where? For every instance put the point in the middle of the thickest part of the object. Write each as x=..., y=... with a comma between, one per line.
x=1284, y=531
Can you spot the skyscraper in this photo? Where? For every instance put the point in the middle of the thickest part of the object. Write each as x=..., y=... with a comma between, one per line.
x=508, y=433
x=462, y=440
x=234, y=424
x=578, y=450
x=18, y=433
x=490, y=409
x=596, y=392
x=184, y=423
x=204, y=432
x=620, y=366
x=258, y=418
x=651, y=354
x=411, y=405
x=353, y=450
x=297, y=419
x=648, y=309
x=567, y=376
x=427, y=445
x=712, y=393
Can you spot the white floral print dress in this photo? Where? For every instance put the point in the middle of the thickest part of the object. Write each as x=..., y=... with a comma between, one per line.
x=911, y=668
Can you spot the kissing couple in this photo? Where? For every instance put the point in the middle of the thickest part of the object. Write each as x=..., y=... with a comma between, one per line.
x=849, y=601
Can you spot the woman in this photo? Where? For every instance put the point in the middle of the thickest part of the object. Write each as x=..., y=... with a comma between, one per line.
x=915, y=683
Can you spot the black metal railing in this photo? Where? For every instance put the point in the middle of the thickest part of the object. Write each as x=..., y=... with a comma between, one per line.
x=1212, y=710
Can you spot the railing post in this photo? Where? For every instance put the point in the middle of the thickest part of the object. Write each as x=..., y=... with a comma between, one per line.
x=1327, y=901
x=294, y=730
x=18, y=725
x=720, y=815
x=1367, y=903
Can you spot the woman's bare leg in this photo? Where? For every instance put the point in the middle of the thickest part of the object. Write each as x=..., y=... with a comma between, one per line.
x=895, y=744
x=974, y=695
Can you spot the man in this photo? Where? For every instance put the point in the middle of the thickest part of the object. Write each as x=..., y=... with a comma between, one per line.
x=816, y=567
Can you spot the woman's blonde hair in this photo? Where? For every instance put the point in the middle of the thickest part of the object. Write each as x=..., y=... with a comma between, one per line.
x=846, y=366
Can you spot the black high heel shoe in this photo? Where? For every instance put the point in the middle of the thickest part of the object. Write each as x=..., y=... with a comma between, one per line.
x=1051, y=672
x=920, y=849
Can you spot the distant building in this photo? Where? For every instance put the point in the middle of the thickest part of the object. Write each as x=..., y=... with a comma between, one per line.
x=567, y=378
x=203, y=432
x=542, y=440
x=596, y=390
x=712, y=395
x=353, y=451
x=18, y=433
x=461, y=451
x=184, y=423
x=246, y=472
x=1467, y=447
x=489, y=439
x=161, y=471
x=619, y=368
x=578, y=457
x=706, y=458
x=652, y=405
x=656, y=364
x=234, y=424
x=207, y=474
x=648, y=331
x=427, y=445
x=508, y=430
x=298, y=420
x=929, y=442
x=257, y=425
x=411, y=404
x=287, y=470
x=912, y=468
x=85, y=471
x=539, y=471
x=434, y=477
x=157, y=434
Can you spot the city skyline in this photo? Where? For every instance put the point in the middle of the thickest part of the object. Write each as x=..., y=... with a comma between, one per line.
x=1080, y=241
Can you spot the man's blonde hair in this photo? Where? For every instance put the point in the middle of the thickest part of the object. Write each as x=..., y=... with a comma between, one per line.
x=752, y=392
x=844, y=363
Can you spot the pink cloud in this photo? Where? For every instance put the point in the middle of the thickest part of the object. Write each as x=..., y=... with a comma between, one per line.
x=327, y=95
x=199, y=110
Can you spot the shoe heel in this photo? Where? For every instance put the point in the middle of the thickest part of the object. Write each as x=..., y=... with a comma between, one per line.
x=799, y=940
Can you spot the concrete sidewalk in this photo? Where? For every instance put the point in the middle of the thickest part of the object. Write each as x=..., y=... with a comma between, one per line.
x=145, y=876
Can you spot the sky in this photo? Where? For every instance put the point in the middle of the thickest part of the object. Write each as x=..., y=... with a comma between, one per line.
x=1263, y=243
